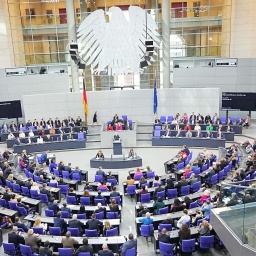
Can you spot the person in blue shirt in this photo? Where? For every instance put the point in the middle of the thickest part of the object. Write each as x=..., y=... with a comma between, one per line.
x=52, y=205
x=53, y=165
x=101, y=172
x=44, y=157
x=206, y=208
x=146, y=220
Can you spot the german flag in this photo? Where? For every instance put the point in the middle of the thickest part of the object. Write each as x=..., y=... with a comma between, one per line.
x=85, y=102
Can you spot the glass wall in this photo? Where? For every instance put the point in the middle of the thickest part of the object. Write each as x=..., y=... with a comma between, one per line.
x=197, y=29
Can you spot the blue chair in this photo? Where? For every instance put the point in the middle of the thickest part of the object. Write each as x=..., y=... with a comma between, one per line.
x=196, y=171
x=158, y=128
x=80, y=136
x=131, y=190
x=166, y=249
x=100, y=215
x=150, y=175
x=65, y=175
x=163, y=210
x=188, y=246
x=55, y=231
x=117, y=198
x=162, y=119
x=102, y=189
x=9, y=184
x=44, y=198
x=39, y=160
x=124, y=117
x=169, y=119
x=204, y=167
x=21, y=230
x=130, y=252
x=56, y=173
x=161, y=194
x=26, y=250
x=65, y=214
x=74, y=231
x=99, y=200
x=98, y=178
x=145, y=198
x=214, y=179
x=193, y=205
x=138, y=176
x=196, y=186
x=91, y=233
x=172, y=193
x=34, y=194
x=167, y=226
x=64, y=189
x=9, y=249
x=22, y=211
x=185, y=190
x=16, y=188
x=113, y=215
x=3, y=203
x=49, y=213
x=112, y=181
x=226, y=170
x=206, y=242
x=25, y=191
x=39, y=231
x=12, y=206
x=147, y=231
x=53, y=185
x=180, y=166
x=71, y=199
x=37, y=179
x=85, y=200
x=65, y=252
x=112, y=232
x=157, y=133
x=81, y=216
x=221, y=175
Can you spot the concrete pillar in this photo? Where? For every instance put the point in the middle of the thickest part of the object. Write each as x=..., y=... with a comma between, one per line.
x=166, y=42
x=72, y=37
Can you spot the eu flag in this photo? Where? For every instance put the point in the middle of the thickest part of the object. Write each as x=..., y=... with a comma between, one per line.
x=155, y=97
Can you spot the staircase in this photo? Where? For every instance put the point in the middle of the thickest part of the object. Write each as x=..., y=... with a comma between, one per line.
x=144, y=132
x=93, y=137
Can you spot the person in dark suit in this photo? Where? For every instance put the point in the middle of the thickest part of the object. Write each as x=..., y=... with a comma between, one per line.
x=19, y=224
x=61, y=167
x=163, y=237
x=28, y=124
x=105, y=251
x=168, y=219
x=65, y=208
x=101, y=172
x=75, y=223
x=45, y=191
x=45, y=250
x=192, y=118
x=94, y=223
x=209, y=175
x=84, y=248
x=61, y=223
x=57, y=123
x=67, y=168
x=114, y=193
x=16, y=141
x=116, y=137
x=100, y=209
x=29, y=183
x=20, y=204
x=7, y=195
x=88, y=187
x=128, y=245
x=15, y=238
x=52, y=205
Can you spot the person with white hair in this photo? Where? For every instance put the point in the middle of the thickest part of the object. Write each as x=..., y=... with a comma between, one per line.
x=68, y=241
x=168, y=219
x=105, y=251
x=75, y=223
x=15, y=238
x=100, y=208
x=32, y=240
x=205, y=196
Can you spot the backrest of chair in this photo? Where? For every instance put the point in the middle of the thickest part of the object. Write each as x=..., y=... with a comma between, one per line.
x=81, y=216
x=172, y=193
x=80, y=136
x=162, y=119
x=206, y=242
x=130, y=252
x=167, y=226
x=99, y=215
x=34, y=194
x=16, y=188
x=163, y=210
x=102, y=189
x=161, y=194
x=204, y=167
x=9, y=248
x=22, y=211
x=145, y=198
x=65, y=174
x=214, y=178
x=25, y=190
x=3, y=203
x=65, y=214
x=49, y=213
x=188, y=175
x=43, y=198
x=55, y=231
x=146, y=230
x=112, y=215
x=85, y=200
x=166, y=249
x=98, y=178
x=138, y=176
x=112, y=181
x=112, y=232
x=193, y=205
x=150, y=175
x=131, y=189
x=12, y=206
x=53, y=185
x=158, y=128
x=25, y=250
x=74, y=231
x=99, y=200
x=91, y=233
x=169, y=119
x=63, y=189
x=84, y=254
x=185, y=190
x=188, y=245
x=180, y=166
x=76, y=176
x=65, y=251
x=38, y=230
x=157, y=133
x=196, y=186
x=117, y=198
x=71, y=199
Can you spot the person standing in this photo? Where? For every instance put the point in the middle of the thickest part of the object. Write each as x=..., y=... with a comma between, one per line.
x=95, y=118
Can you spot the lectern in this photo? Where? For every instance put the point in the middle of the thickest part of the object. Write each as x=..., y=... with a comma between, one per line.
x=117, y=147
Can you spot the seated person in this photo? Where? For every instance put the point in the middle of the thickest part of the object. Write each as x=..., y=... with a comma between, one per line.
x=31, y=134
x=60, y=222
x=167, y=134
x=11, y=136
x=208, y=134
x=209, y=127
x=189, y=134
x=102, y=185
x=184, y=219
x=184, y=232
x=206, y=208
x=110, y=127
x=233, y=200
x=159, y=204
x=187, y=127
x=119, y=126
x=177, y=206
x=187, y=170
x=100, y=155
x=40, y=140
x=131, y=153
x=205, y=196
x=146, y=220
x=163, y=237
x=101, y=172
x=198, y=216
x=53, y=205
x=17, y=141
x=249, y=149
x=157, y=120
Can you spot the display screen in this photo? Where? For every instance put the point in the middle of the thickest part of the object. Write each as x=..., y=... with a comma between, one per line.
x=10, y=109
x=243, y=101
